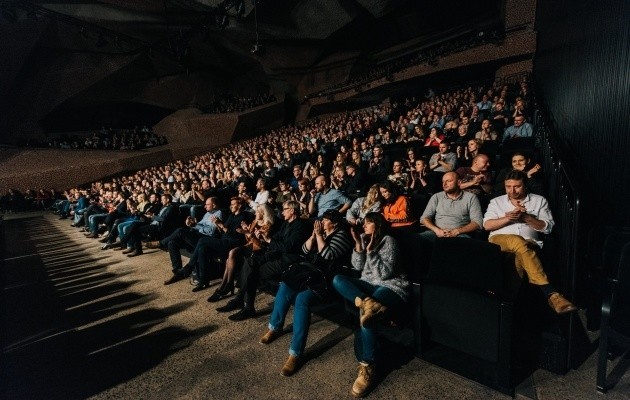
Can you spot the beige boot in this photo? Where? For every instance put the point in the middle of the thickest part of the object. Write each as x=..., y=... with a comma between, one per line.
x=364, y=381
x=559, y=304
x=371, y=311
x=270, y=336
x=290, y=366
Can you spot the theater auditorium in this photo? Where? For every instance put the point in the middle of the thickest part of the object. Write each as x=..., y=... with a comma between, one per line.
x=256, y=199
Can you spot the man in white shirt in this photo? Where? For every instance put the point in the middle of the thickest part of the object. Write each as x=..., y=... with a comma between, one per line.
x=262, y=196
x=514, y=221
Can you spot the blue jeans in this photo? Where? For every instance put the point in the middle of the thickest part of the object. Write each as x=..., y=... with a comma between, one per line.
x=123, y=231
x=301, y=315
x=95, y=220
x=351, y=288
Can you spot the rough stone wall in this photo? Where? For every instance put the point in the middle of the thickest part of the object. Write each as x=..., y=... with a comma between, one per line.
x=519, y=13
x=514, y=68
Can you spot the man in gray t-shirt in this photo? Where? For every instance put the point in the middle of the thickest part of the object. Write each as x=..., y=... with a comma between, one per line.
x=451, y=213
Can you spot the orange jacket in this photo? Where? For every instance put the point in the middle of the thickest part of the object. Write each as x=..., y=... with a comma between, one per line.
x=397, y=213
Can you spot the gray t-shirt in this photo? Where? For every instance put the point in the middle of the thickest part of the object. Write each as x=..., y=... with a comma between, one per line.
x=449, y=213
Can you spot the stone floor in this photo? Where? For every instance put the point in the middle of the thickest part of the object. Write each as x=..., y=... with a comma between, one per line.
x=79, y=322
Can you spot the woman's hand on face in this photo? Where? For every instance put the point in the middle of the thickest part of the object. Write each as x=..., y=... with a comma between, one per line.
x=370, y=244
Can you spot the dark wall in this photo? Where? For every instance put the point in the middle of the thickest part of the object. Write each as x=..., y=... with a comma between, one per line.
x=582, y=74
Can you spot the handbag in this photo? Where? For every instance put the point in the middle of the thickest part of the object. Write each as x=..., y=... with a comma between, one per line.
x=304, y=275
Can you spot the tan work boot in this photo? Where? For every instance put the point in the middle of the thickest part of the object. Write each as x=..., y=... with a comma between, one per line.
x=270, y=336
x=560, y=304
x=364, y=381
x=371, y=311
x=290, y=366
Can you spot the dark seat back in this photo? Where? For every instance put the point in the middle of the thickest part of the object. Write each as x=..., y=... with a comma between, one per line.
x=615, y=325
x=470, y=264
x=620, y=310
x=467, y=311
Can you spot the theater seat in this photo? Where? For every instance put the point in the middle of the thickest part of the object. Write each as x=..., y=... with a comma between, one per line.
x=615, y=321
x=467, y=307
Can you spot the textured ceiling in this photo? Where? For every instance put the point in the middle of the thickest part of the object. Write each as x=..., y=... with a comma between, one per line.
x=67, y=54
x=328, y=26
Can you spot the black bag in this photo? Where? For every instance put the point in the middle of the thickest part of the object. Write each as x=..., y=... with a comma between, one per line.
x=304, y=275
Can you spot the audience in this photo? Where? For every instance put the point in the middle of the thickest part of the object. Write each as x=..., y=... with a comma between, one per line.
x=107, y=139
x=291, y=167
x=231, y=104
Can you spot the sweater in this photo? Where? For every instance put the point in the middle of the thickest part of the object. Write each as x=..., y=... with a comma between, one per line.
x=381, y=267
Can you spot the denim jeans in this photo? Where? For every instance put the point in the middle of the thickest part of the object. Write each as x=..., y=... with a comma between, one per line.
x=95, y=220
x=301, y=315
x=351, y=288
x=123, y=231
x=78, y=216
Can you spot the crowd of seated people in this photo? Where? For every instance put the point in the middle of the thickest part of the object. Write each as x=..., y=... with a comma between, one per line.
x=400, y=63
x=109, y=139
x=233, y=104
x=331, y=190
x=16, y=201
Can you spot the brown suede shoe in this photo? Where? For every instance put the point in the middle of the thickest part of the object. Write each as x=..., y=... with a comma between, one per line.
x=561, y=305
x=154, y=244
x=371, y=311
x=129, y=250
x=270, y=336
x=290, y=366
x=364, y=381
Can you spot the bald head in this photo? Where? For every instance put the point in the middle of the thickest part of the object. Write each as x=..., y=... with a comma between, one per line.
x=480, y=163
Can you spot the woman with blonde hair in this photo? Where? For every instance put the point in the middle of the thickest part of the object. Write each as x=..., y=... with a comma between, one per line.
x=263, y=222
x=364, y=205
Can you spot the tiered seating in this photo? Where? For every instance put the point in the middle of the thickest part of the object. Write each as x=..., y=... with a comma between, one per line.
x=464, y=293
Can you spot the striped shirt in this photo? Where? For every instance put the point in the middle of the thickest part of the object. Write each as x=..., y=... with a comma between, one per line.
x=338, y=246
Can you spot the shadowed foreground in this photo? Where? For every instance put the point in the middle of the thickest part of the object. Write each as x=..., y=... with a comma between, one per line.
x=79, y=322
